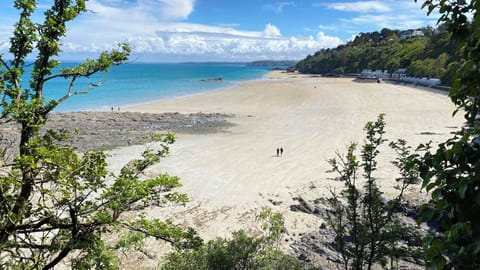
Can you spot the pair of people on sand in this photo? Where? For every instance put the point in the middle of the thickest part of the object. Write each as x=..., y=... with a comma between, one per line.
x=280, y=151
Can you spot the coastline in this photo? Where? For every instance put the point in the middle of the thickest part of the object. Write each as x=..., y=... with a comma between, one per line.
x=137, y=84
x=229, y=176
x=133, y=107
x=311, y=117
x=229, y=168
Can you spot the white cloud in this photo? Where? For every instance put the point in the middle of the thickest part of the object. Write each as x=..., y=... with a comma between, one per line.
x=403, y=15
x=271, y=30
x=156, y=31
x=278, y=6
x=326, y=40
x=4, y=45
x=352, y=38
x=242, y=46
x=168, y=38
x=327, y=27
x=375, y=15
x=159, y=29
x=168, y=9
x=361, y=6
x=386, y=21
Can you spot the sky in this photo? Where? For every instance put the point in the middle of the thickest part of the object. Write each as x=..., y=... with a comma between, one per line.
x=221, y=30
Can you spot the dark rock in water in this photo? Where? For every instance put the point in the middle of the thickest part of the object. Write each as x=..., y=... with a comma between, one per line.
x=212, y=79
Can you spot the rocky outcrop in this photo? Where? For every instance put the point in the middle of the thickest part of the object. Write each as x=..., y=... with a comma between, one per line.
x=317, y=248
x=107, y=130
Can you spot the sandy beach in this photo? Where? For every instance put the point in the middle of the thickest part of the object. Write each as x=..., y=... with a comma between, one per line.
x=230, y=175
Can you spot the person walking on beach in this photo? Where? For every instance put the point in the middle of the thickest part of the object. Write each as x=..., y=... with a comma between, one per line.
x=278, y=151
x=281, y=151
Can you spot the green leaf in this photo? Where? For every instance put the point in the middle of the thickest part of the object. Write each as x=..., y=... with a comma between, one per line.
x=436, y=194
x=442, y=204
x=438, y=263
x=426, y=211
x=463, y=188
x=430, y=186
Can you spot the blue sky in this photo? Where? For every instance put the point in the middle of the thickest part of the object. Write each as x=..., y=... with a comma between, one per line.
x=223, y=30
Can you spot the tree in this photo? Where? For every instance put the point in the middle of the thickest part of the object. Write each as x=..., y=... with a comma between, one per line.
x=424, y=56
x=451, y=172
x=367, y=231
x=239, y=252
x=54, y=202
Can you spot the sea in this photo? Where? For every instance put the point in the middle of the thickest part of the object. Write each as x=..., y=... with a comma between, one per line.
x=134, y=84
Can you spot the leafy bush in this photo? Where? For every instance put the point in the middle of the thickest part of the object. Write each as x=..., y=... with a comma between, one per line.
x=367, y=231
x=239, y=252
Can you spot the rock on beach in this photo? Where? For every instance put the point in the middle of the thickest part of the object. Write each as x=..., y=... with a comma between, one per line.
x=108, y=130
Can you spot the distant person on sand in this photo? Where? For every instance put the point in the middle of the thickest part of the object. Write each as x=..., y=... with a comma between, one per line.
x=278, y=152
x=281, y=151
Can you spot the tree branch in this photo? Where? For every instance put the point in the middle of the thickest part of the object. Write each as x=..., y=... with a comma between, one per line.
x=128, y=226
x=72, y=74
x=59, y=257
x=70, y=88
x=27, y=246
x=5, y=64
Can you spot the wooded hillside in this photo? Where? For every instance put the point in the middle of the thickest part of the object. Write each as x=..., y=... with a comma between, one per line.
x=432, y=54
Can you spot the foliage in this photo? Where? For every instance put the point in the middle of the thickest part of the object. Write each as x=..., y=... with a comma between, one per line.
x=451, y=171
x=367, y=232
x=239, y=252
x=54, y=202
x=429, y=67
x=422, y=56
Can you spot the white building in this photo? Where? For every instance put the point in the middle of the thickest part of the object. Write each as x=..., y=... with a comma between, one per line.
x=422, y=81
x=399, y=73
x=367, y=73
x=411, y=33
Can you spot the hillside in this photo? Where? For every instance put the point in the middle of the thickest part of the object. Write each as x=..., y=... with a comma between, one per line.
x=426, y=52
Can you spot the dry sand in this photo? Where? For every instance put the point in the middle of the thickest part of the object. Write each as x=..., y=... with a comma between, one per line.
x=230, y=175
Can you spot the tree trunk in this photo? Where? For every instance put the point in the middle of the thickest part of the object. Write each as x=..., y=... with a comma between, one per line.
x=27, y=133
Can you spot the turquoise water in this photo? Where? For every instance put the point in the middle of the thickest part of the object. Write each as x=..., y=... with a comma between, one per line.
x=132, y=84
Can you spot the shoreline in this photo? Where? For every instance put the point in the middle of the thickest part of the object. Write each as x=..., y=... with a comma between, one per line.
x=232, y=83
x=226, y=88
x=294, y=110
x=229, y=175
